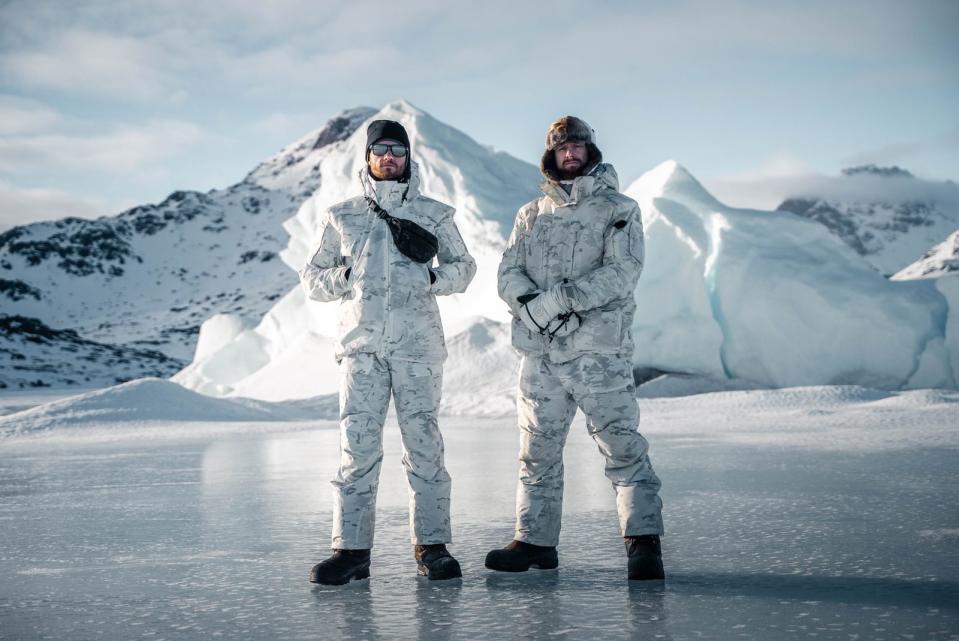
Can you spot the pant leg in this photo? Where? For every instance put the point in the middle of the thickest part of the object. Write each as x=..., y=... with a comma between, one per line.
x=545, y=412
x=417, y=389
x=604, y=390
x=364, y=398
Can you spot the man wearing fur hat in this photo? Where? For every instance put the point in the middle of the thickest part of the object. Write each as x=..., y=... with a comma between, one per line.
x=376, y=256
x=568, y=275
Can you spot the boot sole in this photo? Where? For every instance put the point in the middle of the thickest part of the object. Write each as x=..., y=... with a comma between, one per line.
x=359, y=575
x=542, y=565
x=454, y=572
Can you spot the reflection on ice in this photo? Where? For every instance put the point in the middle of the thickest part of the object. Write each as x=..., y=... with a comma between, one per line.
x=214, y=537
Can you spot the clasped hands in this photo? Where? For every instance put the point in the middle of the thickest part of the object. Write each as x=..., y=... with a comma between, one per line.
x=548, y=312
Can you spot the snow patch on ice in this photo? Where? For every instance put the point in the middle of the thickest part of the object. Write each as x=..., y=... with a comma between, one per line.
x=153, y=400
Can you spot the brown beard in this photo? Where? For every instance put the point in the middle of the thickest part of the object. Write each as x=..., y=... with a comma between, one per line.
x=569, y=175
x=379, y=175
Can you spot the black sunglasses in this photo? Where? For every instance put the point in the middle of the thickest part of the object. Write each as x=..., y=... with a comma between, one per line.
x=380, y=149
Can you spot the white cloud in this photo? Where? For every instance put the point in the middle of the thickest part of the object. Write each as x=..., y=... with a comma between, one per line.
x=123, y=150
x=22, y=205
x=21, y=115
x=90, y=62
x=758, y=190
x=901, y=151
x=167, y=50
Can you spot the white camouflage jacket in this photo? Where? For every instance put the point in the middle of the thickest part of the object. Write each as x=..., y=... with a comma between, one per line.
x=387, y=304
x=592, y=238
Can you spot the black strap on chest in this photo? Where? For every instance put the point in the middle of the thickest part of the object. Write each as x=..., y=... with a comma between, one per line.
x=414, y=242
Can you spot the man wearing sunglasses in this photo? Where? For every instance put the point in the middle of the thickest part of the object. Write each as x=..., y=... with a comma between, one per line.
x=568, y=275
x=376, y=256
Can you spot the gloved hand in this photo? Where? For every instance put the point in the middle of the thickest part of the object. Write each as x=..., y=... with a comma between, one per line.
x=563, y=325
x=549, y=305
x=540, y=308
x=525, y=316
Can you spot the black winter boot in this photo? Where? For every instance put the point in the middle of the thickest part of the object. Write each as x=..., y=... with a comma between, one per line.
x=341, y=568
x=436, y=563
x=519, y=556
x=645, y=558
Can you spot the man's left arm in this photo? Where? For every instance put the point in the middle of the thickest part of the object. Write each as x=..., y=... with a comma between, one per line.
x=456, y=267
x=623, y=256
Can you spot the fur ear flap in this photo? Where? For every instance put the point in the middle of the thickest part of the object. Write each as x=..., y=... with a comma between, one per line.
x=547, y=166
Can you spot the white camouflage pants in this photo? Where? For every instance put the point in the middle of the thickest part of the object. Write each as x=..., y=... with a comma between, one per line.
x=364, y=398
x=549, y=393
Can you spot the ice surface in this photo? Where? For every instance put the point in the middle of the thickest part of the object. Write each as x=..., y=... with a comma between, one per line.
x=820, y=513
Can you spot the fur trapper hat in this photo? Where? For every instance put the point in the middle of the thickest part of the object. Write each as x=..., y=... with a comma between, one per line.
x=569, y=128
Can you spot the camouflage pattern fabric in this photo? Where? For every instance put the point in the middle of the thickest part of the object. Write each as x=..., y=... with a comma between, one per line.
x=591, y=239
x=390, y=341
x=388, y=303
x=549, y=393
x=366, y=383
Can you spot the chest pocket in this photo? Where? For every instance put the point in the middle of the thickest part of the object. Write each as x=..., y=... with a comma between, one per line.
x=588, y=238
x=537, y=248
x=356, y=227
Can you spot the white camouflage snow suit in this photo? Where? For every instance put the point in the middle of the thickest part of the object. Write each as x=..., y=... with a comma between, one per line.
x=592, y=238
x=390, y=338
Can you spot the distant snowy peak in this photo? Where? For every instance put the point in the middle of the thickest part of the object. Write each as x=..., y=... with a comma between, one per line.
x=296, y=167
x=885, y=214
x=874, y=170
x=486, y=187
x=940, y=260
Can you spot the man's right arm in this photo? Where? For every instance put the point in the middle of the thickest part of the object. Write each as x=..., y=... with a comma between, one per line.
x=325, y=278
x=512, y=280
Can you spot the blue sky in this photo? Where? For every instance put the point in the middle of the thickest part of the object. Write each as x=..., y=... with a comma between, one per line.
x=105, y=105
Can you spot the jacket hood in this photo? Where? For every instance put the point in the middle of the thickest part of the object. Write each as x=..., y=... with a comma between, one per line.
x=391, y=193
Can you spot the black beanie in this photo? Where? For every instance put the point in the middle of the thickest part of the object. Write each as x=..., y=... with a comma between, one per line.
x=380, y=129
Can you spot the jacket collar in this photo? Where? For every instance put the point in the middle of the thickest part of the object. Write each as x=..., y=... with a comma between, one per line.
x=602, y=176
x=390, y=194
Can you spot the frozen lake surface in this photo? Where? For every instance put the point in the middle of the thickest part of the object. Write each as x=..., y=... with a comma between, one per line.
x=821, y=513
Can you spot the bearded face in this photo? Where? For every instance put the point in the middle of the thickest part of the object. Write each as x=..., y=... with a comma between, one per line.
x=570, y=158
x=387, y=166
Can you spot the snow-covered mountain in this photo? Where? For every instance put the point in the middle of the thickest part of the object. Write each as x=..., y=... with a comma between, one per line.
x=940, y=260
x=142, y=282
x=289, y=354
x=885, y=214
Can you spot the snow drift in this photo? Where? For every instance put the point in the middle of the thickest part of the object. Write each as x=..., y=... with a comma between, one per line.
x=154, y=400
